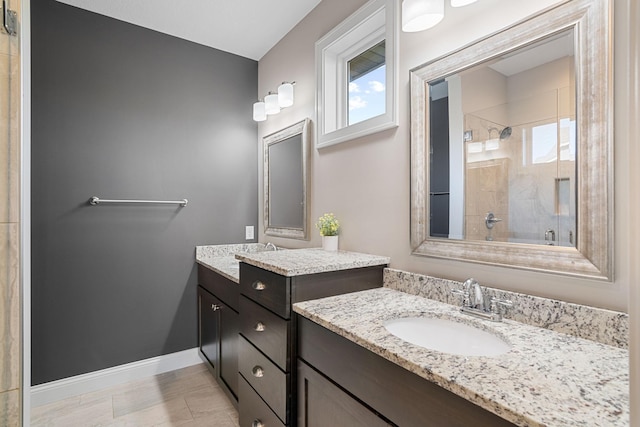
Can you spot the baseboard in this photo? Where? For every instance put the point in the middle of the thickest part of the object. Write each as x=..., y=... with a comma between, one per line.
x=86, y=383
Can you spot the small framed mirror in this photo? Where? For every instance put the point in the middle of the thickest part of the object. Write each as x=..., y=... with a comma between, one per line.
x=356, y=75
x=511, y=144
x=286, y=182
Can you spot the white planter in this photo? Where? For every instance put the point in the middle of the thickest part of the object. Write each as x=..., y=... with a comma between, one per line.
x=330, y=243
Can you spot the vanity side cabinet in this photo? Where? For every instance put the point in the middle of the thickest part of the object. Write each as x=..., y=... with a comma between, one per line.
x=398, y=395
x=218, y=328
x=267, y=360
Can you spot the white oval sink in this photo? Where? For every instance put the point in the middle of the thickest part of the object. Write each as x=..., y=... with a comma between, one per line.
x=447, y=336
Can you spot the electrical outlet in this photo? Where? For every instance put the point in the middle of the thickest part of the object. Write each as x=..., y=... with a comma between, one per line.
x=248, y=232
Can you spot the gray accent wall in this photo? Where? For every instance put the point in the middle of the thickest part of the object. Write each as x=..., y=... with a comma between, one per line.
x=123, y=112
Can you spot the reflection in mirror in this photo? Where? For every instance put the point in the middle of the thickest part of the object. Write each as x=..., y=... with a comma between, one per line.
x=285, y=182
x=511, y=147
x=503, y=147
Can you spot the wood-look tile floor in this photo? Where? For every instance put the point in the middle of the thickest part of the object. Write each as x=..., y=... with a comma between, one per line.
x=188, y=397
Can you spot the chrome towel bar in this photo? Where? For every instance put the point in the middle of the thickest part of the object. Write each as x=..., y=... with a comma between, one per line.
x=97, y=200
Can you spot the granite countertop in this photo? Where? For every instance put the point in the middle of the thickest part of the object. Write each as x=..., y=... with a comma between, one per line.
x=298, y=262
x=221, y=258
x=227, y=266
x=546, y=379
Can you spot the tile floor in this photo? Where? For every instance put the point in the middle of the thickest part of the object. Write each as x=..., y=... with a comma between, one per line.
x=188, y=397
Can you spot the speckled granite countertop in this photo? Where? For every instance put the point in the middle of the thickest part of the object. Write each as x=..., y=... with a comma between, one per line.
x=221, y=258
x=298, y=262
x=546, y=379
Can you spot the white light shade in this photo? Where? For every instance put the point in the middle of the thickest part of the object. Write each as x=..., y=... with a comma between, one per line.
x=418, y=15
x=474, y=147
x=285, y=95
x=459, y=3
x=492, y=144
x=259, y=113
x=271, y=104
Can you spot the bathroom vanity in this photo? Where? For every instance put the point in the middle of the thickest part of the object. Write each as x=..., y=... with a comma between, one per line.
x=306, y=331
x=246, y=322
x=332, y=369
x=545, y=379
x=270, y=282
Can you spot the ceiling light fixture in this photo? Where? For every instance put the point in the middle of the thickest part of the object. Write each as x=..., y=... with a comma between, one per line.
x=419, y=15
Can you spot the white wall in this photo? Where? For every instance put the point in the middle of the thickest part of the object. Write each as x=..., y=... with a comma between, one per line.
x=365, y=182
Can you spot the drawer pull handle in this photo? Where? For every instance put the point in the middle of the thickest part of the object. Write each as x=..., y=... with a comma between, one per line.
x=259, y=286
x=215, y=307
x=259, y=327
x=257, y=372
x=257, y=423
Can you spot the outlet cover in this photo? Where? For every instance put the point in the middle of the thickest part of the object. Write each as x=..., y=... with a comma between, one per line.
x=248, y=232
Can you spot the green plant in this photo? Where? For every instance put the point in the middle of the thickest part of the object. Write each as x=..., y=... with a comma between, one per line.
x=328, y=225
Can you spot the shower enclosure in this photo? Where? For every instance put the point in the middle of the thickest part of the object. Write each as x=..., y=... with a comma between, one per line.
x=523, y=175
x=10, y=303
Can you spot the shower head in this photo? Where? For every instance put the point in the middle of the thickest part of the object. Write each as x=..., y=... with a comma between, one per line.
x=505, y=133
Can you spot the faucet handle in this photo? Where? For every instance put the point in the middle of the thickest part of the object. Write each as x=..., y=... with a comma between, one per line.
x=464, y=293
x=496, y=303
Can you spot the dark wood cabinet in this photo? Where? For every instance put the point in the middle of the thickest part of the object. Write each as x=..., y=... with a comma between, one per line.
x=229, y=329
x=268, y=369
x=218, y=328
x=323, y=404
x=397, y=395
x=209, y=327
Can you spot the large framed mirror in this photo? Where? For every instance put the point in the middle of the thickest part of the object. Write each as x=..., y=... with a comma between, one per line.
x=511, y=144
x=286, y=182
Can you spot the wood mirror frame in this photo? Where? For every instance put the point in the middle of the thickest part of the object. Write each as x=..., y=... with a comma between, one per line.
x=593, y=255
x=292, y=232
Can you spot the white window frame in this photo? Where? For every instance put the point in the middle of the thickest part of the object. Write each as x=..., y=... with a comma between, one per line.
x=377, y=20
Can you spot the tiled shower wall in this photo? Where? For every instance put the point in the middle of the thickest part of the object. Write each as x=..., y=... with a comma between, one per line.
x=10, y=371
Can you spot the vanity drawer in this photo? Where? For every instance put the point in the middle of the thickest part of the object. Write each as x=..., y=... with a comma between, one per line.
x=253, y=410
x=267, y=331
x=266, y=288
x=223, y=288
x=265, y=378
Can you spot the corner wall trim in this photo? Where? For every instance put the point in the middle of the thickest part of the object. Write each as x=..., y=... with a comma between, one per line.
x=86, y=383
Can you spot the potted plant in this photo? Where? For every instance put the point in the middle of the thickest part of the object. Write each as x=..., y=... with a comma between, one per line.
x=329, y=227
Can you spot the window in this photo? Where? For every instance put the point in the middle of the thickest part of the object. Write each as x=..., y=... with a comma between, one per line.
x=356, y=66
x=366, y=85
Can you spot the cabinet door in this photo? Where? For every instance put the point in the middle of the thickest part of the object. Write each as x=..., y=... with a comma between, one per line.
x=209, y=327
x=323, y=404
x=229, y=330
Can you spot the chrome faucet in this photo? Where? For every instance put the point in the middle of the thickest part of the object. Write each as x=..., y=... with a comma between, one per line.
x=270, y=246
x=475, y=302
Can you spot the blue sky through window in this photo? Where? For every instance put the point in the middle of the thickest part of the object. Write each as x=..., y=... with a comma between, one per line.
x=367, y=96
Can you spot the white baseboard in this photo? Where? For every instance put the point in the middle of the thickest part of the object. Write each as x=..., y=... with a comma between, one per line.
x=86, y=383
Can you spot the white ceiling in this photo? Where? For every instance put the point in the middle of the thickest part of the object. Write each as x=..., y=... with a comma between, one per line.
x=247, y=28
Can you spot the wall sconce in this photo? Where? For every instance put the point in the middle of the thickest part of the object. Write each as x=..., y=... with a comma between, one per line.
x=274, y=102
x=420, y=15
x=259, y=112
